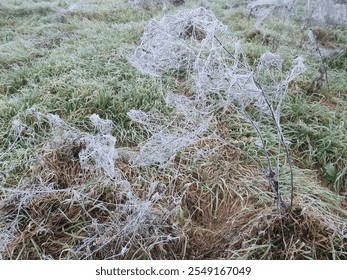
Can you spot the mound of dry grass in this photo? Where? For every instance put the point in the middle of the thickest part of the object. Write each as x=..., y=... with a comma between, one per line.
x=235, y=218
x=64, y=212
x=197, y=209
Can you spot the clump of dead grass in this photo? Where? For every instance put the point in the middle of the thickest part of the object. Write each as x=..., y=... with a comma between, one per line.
x=229, y=211
x=63, y=210
x=237, y=219
x=205, y=206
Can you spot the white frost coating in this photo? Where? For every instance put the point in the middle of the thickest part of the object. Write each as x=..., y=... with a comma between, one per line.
x=269, y=59
x=6, y=237
x=270, y=68
x=170, y=134
x=327, y=12
x=262, y=14
x=297, y=69
x=312, y=38
x=103, y=126
x=196, y=42
x=17, y=127
x=286, y=3
x=55, y=120
x=271, y=65
x=175, y=42
x=261, y=3
x=148, y=4
x=224, y=73
x=98, y=151
x=264, y=8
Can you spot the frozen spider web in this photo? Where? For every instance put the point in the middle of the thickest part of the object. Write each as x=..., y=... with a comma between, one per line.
x=170, y=134
x=98, y=150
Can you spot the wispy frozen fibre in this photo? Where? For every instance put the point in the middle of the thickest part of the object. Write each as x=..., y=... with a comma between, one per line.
x=145, y=221
x=103, y=126
x=174, y=42
x=196, y=43
x=274, y=82
x=264, y=8
x=127, y=214
x=170, y=134
x=97, y=151
x=327, y=12
x=148, y=4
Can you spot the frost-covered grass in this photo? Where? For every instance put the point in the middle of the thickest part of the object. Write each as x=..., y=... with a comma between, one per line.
x=71, y=59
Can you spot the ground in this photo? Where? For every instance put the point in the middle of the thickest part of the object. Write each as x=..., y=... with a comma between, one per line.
x=212, y=201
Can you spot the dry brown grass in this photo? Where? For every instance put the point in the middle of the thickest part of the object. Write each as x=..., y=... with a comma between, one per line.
x=215, y=207
x=246, y=222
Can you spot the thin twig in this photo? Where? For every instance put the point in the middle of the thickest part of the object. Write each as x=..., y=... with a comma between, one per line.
x=323, y=69
x=281, y=136
x=271, y=174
